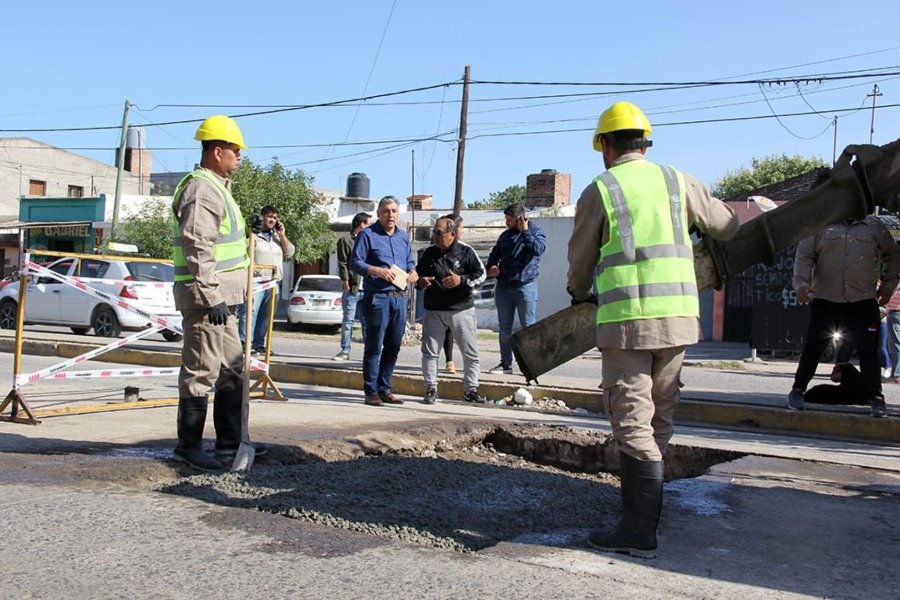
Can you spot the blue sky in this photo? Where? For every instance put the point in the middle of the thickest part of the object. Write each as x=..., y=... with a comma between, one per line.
x=73, y=64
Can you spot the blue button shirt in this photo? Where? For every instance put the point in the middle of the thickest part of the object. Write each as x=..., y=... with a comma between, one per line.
x=375, y=248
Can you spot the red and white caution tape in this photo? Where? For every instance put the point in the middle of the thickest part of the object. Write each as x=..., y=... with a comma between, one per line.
x=100, y=373
x=125, y=282
x=265, y=286
x=48, y=371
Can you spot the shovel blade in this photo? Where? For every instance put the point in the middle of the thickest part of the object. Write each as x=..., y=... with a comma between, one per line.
x=243, y=458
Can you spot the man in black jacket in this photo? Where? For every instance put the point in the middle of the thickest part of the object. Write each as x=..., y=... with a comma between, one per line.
x=448, y=272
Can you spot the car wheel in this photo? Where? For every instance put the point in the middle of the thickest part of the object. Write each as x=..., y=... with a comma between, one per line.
x=106, y=323
x=171, y=336
x=8, y=314
x=79, y=330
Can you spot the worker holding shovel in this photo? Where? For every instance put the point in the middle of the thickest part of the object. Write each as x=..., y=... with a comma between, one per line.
x=211, y=262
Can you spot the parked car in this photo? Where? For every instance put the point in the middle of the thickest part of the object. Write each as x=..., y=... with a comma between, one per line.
x=316, y=300
x=51, y=302
x=484, y=295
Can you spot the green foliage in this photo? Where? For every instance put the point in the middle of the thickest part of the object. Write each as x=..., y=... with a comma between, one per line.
x=291, y=193
x=151, y=230
x=253, y=187
x=511, y=195
x=764, y=171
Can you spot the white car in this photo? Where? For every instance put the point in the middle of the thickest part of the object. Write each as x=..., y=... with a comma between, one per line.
x=51, y=302
x=316, y=300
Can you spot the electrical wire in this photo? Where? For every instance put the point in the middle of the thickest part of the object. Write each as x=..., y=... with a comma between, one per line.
x=241, y=115
x=667, y=86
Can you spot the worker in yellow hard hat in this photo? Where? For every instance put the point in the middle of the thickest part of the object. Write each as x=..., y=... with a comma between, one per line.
x=210, y=256
x=631, y=254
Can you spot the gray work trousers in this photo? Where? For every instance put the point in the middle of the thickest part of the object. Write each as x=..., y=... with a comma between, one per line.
x=640, y=391
x=211, y=354
x=464, y=327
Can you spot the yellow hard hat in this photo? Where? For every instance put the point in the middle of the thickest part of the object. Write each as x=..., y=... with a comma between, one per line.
x=220, y=127
x=620, y=116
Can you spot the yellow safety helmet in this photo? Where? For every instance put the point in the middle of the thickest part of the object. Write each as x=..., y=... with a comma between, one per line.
x=621, y=116
x=220, y=127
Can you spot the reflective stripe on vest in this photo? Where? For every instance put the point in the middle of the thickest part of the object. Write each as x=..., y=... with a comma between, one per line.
x=230, y=248
x=646, y=268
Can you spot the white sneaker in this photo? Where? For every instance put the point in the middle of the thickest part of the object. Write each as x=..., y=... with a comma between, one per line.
x=502, y=369
x=341, y=356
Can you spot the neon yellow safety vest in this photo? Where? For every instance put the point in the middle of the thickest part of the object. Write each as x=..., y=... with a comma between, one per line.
x=646, y=269
x=230, y=249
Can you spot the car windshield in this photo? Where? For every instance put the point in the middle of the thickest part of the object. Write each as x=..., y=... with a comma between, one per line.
x=151, y=271
x=318, y=284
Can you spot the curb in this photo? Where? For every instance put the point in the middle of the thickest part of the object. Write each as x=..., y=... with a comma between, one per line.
x=855, y=427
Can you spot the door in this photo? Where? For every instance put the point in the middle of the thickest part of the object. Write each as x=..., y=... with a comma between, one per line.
x=77, y=306
x=44, y=299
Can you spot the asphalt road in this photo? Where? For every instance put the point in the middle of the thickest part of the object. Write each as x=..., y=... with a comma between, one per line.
x=795, y=517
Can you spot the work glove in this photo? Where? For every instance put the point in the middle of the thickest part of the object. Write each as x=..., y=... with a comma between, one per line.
x=255, y=223
x=218, y=314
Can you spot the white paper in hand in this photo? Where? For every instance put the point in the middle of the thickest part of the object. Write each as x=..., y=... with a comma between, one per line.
x=399, y=277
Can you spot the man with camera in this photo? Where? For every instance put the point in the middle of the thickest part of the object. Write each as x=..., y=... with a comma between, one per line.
x=272, y=248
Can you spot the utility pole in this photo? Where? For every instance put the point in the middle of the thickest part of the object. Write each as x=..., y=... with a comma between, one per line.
x=121, y=169
x=875, y=93
x=834, y=144
x=411, y=307
x=461, y=148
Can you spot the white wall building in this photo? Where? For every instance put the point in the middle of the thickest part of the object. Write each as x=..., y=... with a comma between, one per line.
x=32, y=168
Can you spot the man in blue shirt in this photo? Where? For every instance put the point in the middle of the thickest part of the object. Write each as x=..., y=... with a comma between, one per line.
x=515, y=261
x=377, y=249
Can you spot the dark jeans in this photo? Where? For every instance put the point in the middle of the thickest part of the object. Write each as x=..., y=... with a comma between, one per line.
x=859, y=323
x=385, y=325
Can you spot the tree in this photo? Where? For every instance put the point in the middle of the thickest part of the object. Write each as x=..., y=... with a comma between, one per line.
x=291, y=193
x=764, y=171
x=151, y=229
x=511, y=195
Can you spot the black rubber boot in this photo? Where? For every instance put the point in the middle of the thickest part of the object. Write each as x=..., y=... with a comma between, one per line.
x=642, y=487
x=227, y=419
x=191, y=418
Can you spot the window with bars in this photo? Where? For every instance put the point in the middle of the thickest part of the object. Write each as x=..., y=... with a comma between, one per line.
x=76, y=191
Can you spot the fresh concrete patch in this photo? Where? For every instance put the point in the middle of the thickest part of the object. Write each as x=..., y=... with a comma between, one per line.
x=465, y=489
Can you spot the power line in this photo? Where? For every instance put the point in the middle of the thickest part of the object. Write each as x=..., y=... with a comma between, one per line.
x=665, y=86
x=815, y=78
x=679, y=123
x=241, y=115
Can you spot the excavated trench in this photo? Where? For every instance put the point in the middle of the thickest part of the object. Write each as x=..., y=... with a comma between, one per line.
x=464, y=489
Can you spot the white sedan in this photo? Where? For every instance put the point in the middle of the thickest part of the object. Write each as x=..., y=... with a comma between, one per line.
x=316, y=300
x=50, y=302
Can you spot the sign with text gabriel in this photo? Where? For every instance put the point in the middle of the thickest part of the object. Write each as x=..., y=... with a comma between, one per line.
x=63, y=231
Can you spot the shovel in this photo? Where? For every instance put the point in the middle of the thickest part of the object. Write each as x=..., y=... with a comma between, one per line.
x=243, y=459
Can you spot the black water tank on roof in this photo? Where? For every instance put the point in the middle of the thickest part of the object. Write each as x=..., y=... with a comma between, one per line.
x=357, y=185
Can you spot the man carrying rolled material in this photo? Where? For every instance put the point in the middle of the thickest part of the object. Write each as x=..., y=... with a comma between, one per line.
x=631, y=229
